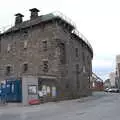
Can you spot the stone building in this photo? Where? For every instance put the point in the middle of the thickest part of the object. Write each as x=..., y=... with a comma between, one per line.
x=48, y=47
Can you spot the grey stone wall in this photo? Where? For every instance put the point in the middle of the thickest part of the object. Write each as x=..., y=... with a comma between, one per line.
x=68, y=70
x=34, y=55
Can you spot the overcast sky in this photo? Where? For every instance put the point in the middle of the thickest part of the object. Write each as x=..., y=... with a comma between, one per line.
x=98, y=20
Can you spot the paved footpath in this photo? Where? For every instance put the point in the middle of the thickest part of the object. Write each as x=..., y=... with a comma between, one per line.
x=101, y=106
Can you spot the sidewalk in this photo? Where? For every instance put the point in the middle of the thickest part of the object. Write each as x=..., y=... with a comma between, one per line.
x=81, y=100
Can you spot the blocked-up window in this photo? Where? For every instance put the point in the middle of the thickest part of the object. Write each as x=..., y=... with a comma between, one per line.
x=8, y=48
x=25, y=44
x=45, y=66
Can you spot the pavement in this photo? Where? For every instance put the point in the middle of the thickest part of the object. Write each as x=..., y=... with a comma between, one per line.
x=100, y=106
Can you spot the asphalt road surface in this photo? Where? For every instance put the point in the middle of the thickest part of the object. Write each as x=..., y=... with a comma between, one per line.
x=101, y=106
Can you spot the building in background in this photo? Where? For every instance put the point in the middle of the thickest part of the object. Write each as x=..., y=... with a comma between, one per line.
x=117, y=80
x=112, y=77
x=50, y=48
x=96, y=83
x=107, y=83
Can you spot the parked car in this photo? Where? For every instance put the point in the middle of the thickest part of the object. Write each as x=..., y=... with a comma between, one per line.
x=114, y=90
x=110, y=90
x=106, y=89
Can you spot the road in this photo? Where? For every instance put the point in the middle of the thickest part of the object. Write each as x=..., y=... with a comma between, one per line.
x=101, y=106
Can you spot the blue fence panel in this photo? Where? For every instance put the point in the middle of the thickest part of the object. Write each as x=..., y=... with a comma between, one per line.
x=13, y=90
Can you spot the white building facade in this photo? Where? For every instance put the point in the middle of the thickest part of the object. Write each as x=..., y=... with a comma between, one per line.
x=118, y=71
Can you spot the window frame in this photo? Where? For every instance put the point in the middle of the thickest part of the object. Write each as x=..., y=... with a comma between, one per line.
x=25, y=68
x=76, y=52
x=62, y=53
x=44, y=45
x=44, y=65
x=8, y=71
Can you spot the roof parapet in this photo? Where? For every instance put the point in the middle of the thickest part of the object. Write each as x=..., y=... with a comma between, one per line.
x=76, y=32
x=65, y=18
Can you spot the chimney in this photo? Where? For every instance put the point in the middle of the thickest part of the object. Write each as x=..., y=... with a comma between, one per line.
x=18, y=18
x=34, y=13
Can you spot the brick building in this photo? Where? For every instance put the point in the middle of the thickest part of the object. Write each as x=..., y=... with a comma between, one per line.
x=96, y=83
x=48, y=47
